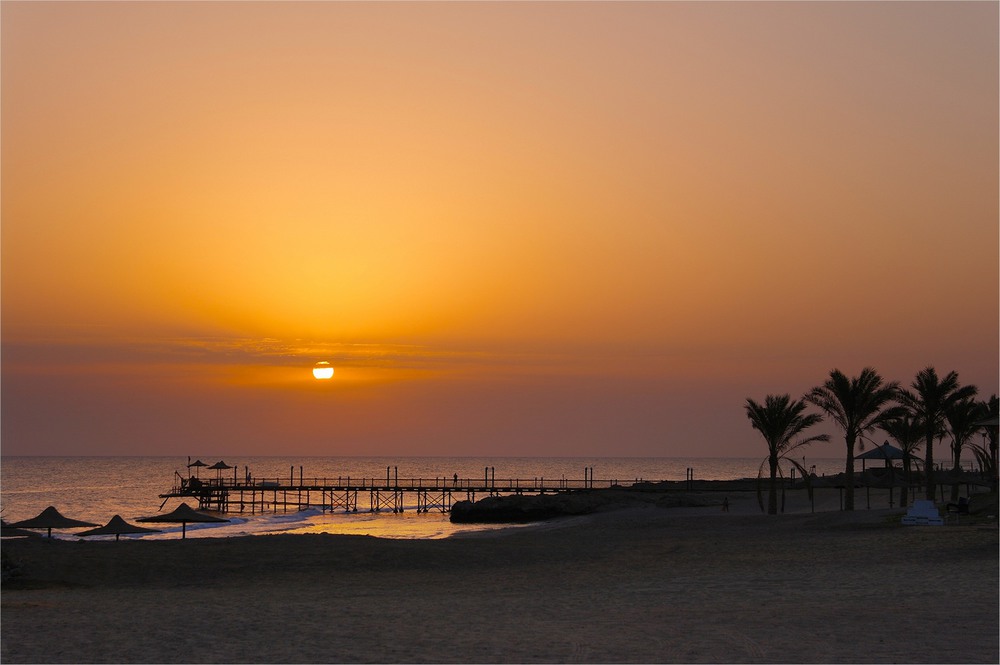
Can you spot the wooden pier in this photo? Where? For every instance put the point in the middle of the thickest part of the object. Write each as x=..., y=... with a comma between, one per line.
x=389, y=494
x=394, y=494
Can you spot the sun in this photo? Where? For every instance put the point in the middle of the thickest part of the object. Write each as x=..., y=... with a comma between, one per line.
x=323, y=370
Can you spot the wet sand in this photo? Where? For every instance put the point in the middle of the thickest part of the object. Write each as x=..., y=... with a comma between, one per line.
x=640, y=585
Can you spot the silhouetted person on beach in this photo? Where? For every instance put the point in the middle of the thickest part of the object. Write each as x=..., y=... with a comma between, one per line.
x=725, y=505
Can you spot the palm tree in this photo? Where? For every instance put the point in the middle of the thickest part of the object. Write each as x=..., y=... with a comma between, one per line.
x=908, y=435
x=963, y=419
x=928, y=402
x=858, y=406
x=986, y=454
x=779, y=420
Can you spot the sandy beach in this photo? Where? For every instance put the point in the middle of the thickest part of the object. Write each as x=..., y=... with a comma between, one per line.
x=639, y=585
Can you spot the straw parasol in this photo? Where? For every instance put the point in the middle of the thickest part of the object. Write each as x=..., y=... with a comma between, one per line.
x=50, y=518
x=219, y=466
x=117, y=526
x=7, y=531
x=197, y=463
x=182, y=514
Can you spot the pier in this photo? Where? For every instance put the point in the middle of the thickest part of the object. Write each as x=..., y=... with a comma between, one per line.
x=394, y=494
x=260, y=495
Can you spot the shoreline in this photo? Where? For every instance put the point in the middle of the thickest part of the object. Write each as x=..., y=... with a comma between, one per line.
x=637, y=585
x=739, y=495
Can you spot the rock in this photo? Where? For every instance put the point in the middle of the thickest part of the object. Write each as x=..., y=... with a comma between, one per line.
x=983, y=504
x=519, y=508
x=523, y=508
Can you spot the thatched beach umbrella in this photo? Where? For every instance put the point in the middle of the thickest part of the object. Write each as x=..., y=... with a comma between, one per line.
x=196, y=464
x=182, y=514
x=7, y=531
x=50, y=518
x=117, y=526
x=219, y=466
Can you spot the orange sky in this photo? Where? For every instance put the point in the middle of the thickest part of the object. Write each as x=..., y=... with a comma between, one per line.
x=513, y=228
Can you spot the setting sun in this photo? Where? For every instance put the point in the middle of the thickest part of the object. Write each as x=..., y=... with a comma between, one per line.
x=322, y=370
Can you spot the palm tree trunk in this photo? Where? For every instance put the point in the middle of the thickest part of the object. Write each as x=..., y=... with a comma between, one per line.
x=995, y=478
x=849, y=474
x=957, y=468
x=772, y=495
x=906, y=482
x=929, y=466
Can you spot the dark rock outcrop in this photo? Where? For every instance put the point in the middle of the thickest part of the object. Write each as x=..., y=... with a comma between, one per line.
x=519, y=509
x=522, y=508
x=985, y=503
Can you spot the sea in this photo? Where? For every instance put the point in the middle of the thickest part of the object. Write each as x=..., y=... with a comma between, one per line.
x=94, y=489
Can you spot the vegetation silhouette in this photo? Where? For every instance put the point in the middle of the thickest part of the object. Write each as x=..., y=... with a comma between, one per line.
x=908, y=433
x=932, y=409
x=963, y=418
x=858, y=406
x=928, y=402
x=780, y=420
x=986, y=454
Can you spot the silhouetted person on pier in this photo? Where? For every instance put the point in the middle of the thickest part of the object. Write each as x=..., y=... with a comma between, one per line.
x=456, y=480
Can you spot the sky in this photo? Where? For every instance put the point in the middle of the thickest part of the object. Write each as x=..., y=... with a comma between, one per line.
x=513, y=229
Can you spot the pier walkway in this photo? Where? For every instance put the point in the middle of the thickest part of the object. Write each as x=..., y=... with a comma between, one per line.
x=394, y=494
x=391, y=494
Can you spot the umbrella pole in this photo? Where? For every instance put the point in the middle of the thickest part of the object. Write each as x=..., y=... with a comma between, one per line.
x=184, y=530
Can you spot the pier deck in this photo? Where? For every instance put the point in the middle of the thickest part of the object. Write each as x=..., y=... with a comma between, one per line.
x=258, y=495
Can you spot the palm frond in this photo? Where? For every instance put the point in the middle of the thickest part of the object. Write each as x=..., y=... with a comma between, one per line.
x=984, y=458
x=807, y=479
x=856, y=404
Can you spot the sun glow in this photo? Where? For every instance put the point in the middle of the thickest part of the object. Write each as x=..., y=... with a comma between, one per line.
x=323, y=370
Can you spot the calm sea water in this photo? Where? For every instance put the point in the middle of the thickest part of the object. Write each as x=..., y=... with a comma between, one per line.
x=96, y=488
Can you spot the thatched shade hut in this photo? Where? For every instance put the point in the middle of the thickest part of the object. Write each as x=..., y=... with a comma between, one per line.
x=117, y=526
x=49, y=519
x=183, y=514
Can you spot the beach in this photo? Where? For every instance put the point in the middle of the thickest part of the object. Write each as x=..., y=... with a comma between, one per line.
x=636, y=585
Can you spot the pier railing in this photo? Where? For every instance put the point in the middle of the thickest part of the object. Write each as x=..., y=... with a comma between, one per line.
x=384, y=493
x=390, y=492
x=405, y=484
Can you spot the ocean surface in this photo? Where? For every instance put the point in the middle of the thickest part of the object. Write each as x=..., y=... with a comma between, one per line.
x=96, y=488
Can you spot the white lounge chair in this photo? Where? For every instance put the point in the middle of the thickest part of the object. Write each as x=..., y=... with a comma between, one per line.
x=923, y=513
